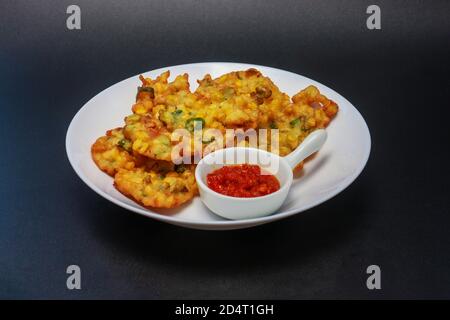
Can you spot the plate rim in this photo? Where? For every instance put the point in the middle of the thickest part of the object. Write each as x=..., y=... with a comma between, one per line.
x=219, y=223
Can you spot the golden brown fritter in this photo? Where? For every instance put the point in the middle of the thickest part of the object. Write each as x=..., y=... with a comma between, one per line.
x=111, y=152
x=160, y=108
x=149, y=137
x=309, y=111
x=155, y=189
x=269, y=108
x=243, y=99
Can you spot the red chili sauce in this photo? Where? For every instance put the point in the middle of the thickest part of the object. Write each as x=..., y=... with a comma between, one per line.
x=243, y=181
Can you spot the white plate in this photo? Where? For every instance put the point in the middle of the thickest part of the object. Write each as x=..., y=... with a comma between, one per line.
x=337, y=164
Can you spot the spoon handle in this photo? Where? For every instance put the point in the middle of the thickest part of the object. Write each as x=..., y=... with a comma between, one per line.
x=313, y=142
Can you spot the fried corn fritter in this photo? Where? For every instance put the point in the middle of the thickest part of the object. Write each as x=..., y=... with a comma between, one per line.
x=151, y=188
x=251, y=100
x=150, y=182
x=148, y=136
x=308, y=111
x=149, y=133
x=111, y=152
x=139, y=156
x=246, y=99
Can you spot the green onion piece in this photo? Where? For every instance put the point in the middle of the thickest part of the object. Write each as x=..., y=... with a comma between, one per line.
x=177, y=112
x=193, y=123
x=124, y=144
x=294, y=122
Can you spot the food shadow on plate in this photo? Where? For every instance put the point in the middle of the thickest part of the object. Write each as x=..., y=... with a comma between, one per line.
x=311, y=168
x=170, y=211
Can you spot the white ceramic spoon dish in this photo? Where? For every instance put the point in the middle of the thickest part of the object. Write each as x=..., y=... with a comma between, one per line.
x=281, y=167
x=335, y=167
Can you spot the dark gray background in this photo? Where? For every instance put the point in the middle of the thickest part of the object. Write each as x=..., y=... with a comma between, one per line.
x=396, y=214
